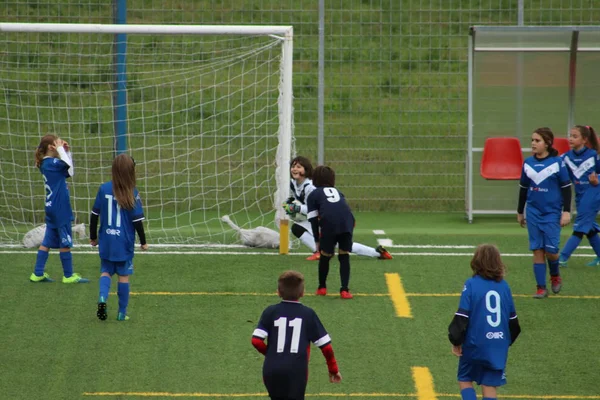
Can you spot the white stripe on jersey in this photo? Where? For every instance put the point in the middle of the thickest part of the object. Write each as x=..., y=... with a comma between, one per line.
x=259, y=333
x=583, y=167
x=323, y=341
x=539, y=177
x=312, y=214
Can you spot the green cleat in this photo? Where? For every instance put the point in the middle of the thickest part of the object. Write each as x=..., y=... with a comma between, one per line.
x=43, y=278
x=122, y=317
x=594, y=263
x=562, y=262
x=75, y=278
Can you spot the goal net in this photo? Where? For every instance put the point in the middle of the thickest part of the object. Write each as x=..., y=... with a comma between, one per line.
x=206, y=112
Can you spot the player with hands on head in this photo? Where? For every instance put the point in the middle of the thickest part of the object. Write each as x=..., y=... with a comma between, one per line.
x=119, y=208
x=289, y=327
x=583, y=167
x=301, y=186
x=485, y=326
x=546, y=189
x=53, y=158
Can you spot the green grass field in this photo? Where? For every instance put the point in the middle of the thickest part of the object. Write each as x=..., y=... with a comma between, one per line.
x=193, y=312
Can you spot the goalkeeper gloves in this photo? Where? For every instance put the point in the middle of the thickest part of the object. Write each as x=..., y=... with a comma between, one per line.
x=291, y=208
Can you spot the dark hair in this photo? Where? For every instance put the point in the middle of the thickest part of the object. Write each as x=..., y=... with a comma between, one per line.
x=305, y=162
x=42, y=148
x=548, y=137
x=486, y=262
x=123, y=179
x=588, y=133
x=324, y=176
x=291, y=285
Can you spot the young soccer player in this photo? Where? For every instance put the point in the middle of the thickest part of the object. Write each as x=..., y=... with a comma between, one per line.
x=53, y=158
x=484, y=326
x=329, y=213
x=546, y=189
x=583, y=166
x=119, y=207
x=301, y=185
x=290, y=328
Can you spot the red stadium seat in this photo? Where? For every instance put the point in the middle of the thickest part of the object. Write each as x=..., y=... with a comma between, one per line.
x=562, y=145
x=502, y=159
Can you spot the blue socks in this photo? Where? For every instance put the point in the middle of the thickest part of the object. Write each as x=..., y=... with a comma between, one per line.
x=104, y=287
x=66, y=259
x=123, y=293
x=570, y=247
x=468, y=394
x=539, y=270
x=553, y=266
x=40, y=262
x=595, y=243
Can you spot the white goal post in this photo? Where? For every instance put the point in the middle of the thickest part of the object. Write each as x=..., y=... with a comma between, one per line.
x=207, y=116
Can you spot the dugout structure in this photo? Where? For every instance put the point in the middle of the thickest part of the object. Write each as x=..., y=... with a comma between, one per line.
x=522, y=78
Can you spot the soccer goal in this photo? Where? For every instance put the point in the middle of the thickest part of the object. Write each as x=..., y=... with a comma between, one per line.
x=206, y=112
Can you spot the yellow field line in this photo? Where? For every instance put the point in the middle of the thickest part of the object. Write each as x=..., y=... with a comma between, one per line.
x=423, y=383
x=265, y=294
x=398, y=295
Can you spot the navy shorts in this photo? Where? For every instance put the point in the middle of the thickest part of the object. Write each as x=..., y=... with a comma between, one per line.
x=327, y=242
x=58, y=238
x=472, y=372
x=285, y=385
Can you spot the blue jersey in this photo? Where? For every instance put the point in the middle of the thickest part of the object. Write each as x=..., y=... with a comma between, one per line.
x=489, y=306
x=116, y=238
x=330, y=206
x=580, y=164
x=58, y=204
x=544, y=179
x=290, y=328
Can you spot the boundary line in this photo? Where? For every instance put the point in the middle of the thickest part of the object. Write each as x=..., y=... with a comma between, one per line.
x=423, y=383
x=398, y=295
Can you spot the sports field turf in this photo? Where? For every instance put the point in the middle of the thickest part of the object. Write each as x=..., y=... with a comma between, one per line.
x=193, y=312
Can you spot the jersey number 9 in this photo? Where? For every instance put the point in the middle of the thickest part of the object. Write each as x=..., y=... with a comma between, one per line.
x=495, y=311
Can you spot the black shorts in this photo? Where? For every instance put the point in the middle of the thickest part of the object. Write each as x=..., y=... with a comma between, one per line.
x=286, y=385
x=327, y=242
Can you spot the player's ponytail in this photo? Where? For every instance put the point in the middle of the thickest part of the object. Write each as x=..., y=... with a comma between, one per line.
x=548, y=137
x=123, y=179
x=42, y=149
x=588, y=133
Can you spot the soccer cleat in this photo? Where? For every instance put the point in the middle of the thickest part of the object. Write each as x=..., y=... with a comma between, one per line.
x=541, y=293
x=101, y=313
x=383, y=253
x=75, y=278
x=594, y=263
x=556, y=283
x=562, y=262
x=346, y=295
x=44, y=278
x=316, y=256
x=122, y=317
x=321, y=292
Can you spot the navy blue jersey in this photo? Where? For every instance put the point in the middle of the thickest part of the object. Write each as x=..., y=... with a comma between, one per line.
x=330, y=206
x=58, y=204
x=545, y=179
x=290, y=328
x=580, y=164
x=116, y=238
x=489, y=306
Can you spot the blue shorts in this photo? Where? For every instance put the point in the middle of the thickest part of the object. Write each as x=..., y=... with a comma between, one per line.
x=121, y=268
x=545, y=236
x=58, y=238
x=472, y=372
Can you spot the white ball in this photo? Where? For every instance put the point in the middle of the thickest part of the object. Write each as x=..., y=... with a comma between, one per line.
x=298, y=217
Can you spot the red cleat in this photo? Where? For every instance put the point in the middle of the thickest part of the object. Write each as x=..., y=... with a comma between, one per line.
x=383, y=253
x=321, y=292
x=344, y=294
x=316, y=256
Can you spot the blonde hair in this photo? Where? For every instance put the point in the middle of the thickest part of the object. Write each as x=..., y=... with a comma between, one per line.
x=486, y=262
x=42, y=148
x=123, y=179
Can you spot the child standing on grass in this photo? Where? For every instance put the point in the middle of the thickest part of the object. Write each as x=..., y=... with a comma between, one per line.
x=301, y=186
x=290, y=328
x=484, y=326
x=583, y=166
x=329, y=213
x=53, y=158
x=119, y=207
x=546, y=188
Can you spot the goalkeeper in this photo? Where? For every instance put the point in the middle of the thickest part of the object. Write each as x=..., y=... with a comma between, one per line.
x=301, y=186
